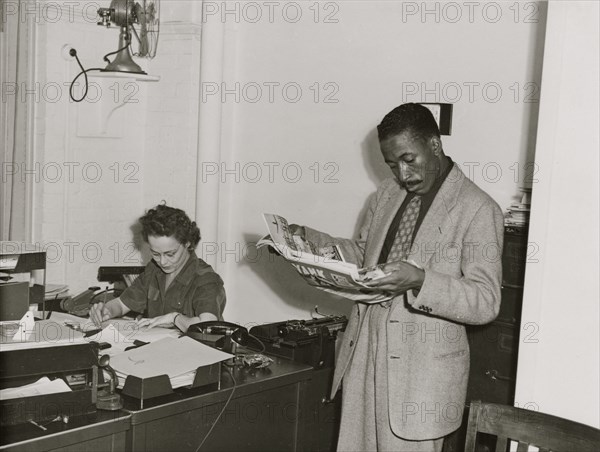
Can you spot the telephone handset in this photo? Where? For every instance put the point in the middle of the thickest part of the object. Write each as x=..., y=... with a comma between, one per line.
x=219, y=334
x=217, y=327
x=79, y=304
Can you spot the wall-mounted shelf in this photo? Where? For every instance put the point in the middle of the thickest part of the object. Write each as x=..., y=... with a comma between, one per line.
x=125, y=75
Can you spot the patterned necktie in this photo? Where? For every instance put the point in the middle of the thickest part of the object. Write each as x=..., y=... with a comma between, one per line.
x=403, y=241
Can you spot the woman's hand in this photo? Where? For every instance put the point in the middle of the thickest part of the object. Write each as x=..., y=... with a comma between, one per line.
x=99, y=312
x=164, y=321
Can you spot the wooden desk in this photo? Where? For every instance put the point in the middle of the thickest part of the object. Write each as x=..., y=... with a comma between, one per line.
x=278, y=408
x=266, y=412
x=99, y=431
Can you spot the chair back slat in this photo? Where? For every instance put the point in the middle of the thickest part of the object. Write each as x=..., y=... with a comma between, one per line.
x=522, y=447
x=501, y=444
x=529, y=427
x=471, y=438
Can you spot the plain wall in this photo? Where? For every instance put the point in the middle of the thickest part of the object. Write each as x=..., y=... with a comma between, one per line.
x=559, y=355
x=315, y=148
x=130, y=144
x=307, y=150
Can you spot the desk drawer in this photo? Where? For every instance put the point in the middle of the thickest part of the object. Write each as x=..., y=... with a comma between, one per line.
x=493, y=362
x=514, y=256
x=263, y=421
x=511, y=305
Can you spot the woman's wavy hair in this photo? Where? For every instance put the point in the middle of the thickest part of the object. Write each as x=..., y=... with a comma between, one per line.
x=168, y=221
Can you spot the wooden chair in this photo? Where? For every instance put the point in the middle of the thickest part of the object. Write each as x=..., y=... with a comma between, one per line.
x=527, y=427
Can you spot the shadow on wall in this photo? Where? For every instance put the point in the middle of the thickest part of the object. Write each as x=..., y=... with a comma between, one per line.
x=283, y=279
x=375, y=166
x=376, y=170
x=138, y=241
x=288, y=285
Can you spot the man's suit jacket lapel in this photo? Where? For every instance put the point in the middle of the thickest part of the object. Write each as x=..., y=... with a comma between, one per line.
x=377, y=235
x=435, y=225
x=438, y=221
x=385, y=215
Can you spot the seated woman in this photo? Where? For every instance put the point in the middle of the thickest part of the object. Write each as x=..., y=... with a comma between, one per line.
x=177, y=288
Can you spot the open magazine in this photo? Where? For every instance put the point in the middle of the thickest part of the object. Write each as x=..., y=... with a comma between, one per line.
x=324, y=268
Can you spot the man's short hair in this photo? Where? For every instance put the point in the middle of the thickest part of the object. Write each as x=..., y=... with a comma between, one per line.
x=413, y=118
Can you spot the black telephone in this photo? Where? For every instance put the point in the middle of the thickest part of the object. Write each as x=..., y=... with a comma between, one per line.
x=219, y=334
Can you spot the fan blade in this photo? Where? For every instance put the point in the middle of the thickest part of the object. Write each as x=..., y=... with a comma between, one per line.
x=143, y=50
x=151, y=28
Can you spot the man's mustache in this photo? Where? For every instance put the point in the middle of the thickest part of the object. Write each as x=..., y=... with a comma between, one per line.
x=410, y=183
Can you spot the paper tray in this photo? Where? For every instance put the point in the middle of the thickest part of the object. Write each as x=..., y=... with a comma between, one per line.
x=19, y=367
x=160, y=385
x=44, y=408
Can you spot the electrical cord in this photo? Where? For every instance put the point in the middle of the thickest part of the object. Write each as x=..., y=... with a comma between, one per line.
x=83, y=72
x=222, y=410
x=105, y=57
x=257, y=340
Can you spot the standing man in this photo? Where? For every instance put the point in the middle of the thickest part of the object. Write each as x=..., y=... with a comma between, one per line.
x=405, y=363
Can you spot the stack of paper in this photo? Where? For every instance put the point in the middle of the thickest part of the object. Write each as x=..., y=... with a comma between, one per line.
x=123, y=333
x=8, y=261
x=518, y=212
x=40, y=387
x=131, y=331
x=44, y=333
x=176, y=358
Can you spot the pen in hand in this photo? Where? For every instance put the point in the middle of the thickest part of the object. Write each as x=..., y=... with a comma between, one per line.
x=98, y=313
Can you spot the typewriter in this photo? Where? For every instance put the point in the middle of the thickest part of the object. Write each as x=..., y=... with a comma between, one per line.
x=307, y=341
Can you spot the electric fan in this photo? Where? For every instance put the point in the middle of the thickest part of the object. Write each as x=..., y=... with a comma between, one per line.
x=127, y=14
